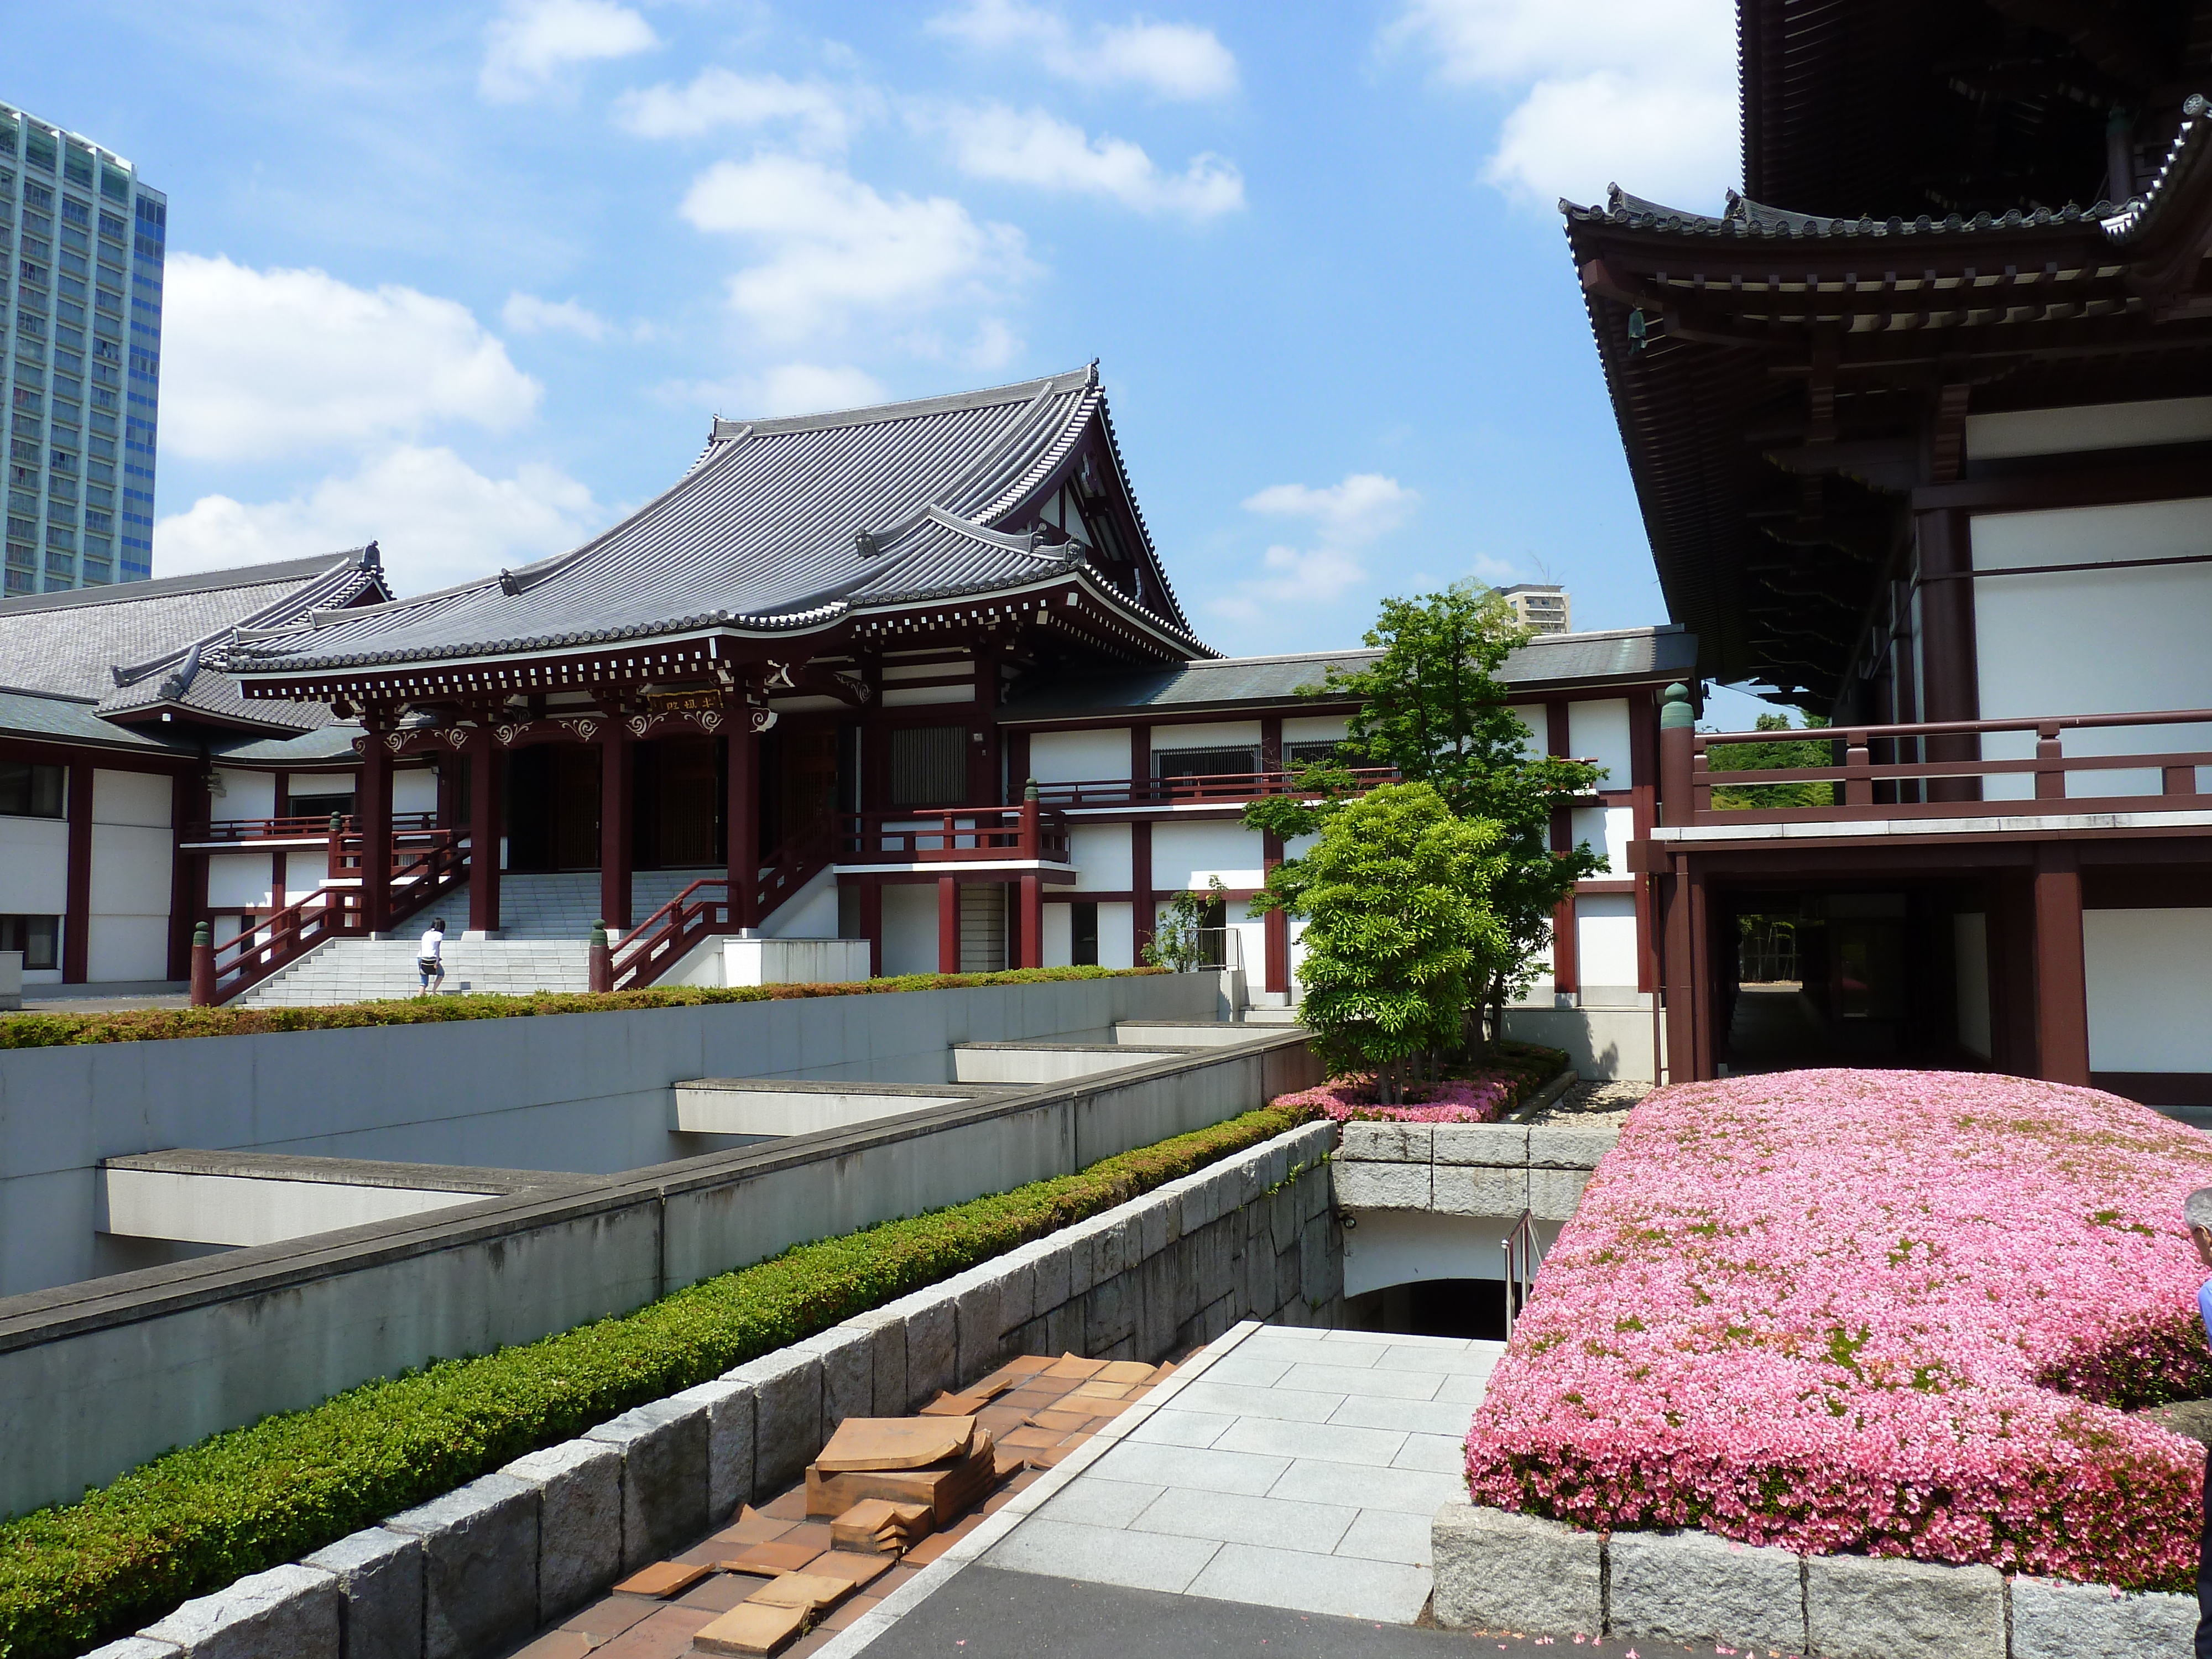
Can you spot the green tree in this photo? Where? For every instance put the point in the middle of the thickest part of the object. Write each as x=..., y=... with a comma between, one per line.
x=1179, y=942
x=1432, y=706
x=1399, y=938
x=1772, y=758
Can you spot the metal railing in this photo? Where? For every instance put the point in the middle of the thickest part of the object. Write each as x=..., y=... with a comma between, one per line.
x=951, y=835
x=1524, y=1259
x=1224, y=787
x=315, y=826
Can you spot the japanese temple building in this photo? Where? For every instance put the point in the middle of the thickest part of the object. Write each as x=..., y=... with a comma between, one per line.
x=913, y=674
x=1920, y=426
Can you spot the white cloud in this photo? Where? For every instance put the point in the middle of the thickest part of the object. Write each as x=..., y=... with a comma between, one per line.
x=1170, y=60
x=1638, y=92
x=525, y=313
x=1033, y=147
x=266, y=362
x=831, y=247
x=1361, y=507
x=782, y=389
x=822, y=116
x=531, y=41
x=436, y=520
x=1344, y=517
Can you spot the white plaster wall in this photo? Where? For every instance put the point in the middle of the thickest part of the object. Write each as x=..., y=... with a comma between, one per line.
x=2150, y=989
x=33, y=866
x=127, y=934
x=1101, y=855
x=812, y=914
x=1315, y=728
x=321, y=783
x=1221, y=734
x=415, y=790
x=2087, y=425
x=1608, y=830
x=1117, y=934
x=1605, y=941
x=1598, y=730
x=239, y=879
x=909, y=927
x=1184, y=855
x=1059, y=936
x=1970, y=950
x=1080, y=756
x=245, y=794
x=1406, y=1246
x=2044, y=642
x=909, y=697
x=1535, y=720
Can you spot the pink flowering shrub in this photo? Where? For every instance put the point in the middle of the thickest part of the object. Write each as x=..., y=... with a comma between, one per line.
x=1451, y=1100
x=1887, y=1313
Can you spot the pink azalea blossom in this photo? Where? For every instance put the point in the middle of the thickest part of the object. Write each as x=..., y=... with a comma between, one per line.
x=1477, y=1099
x=1885, y=1313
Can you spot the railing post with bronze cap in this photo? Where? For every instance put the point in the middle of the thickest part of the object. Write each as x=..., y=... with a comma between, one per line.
x=603, y=965
x=2050, y=763
x=1858, y=771
x=1677, y=746
x=202, y=965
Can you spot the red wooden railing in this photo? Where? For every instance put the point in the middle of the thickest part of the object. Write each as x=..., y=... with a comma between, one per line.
x=661, y=940
x=1883, y=773
x=1224, y=787
x=954, y=834
x=312, y=827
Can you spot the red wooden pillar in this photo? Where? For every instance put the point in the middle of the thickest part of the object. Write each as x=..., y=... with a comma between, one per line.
x=1141, y=898
x=486, y=781
x=1950, y=688
x=871, y=924
x=1644, y=769
x=1681, y=976
x=280, y=868
x=1677, y=746
x=741, y=823
x=372, y=818
x=948, y=925
x=616, y=757
x=77, y=900
x=2062, y=987
x=1565, y=967
x=187, y=897
x=1275, y=926
x=1032, y=920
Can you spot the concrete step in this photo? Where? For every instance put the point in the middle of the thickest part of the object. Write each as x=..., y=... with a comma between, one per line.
x=363, y=970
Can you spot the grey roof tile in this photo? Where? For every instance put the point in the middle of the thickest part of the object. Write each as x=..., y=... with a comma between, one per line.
x=763, y=533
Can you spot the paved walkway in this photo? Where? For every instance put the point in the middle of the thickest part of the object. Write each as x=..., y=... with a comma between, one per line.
x=1301, y=1470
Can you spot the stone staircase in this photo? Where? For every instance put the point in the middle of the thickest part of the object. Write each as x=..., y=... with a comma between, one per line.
x=544, y=946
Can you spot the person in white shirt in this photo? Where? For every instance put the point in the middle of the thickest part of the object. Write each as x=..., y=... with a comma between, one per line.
x=430, y=960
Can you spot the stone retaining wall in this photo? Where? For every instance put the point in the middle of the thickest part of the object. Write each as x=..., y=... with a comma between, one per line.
x=472, y=1572
x=1468, y=1169
x=1496, y=1570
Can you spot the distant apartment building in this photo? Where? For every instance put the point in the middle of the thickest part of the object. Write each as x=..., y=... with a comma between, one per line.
x=1541, y=606
x=81, y=244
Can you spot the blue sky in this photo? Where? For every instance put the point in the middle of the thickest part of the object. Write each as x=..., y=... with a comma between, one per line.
x=472, y=279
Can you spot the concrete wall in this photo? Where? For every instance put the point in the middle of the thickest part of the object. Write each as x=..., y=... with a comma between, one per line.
x=95, y=1378
x=478, y=1570
x=1600, y=1042
x=585, y=1093
x=2150, y=989
x=127, y=935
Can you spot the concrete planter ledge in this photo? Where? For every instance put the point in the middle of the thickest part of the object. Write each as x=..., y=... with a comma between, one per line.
x=1495, y=1569
x=476, y=1571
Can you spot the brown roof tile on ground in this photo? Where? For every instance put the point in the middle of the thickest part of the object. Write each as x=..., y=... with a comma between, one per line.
x=1127, y=1370
x=1076, y=1366
x=875, y=1523
x=951, y=1406
x=772, y=1557
x=1045, y=1457
x=558, y=1645
x=1011, y=1374
x=811, y=1534
x=1058, y=1422
x=752, y=1526
x=721, y=1592
x=754, y=1628
x=1032, y=1440
x=666, y=1635
x=898, y=1442
x=1099, y=1391
x=1005, y=1465
x=663, y=1579
x=610, y=1617
x=851, y=1610
x=819, y=1590
x=790, y=1505
x=997, y=1421
x=856, y=1570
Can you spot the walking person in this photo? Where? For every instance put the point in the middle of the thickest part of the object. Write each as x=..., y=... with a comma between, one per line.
x=430, y=959
x=2197, y=1210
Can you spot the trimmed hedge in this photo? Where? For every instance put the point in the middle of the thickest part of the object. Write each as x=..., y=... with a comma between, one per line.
x=159, y=1025
x=194, y=1520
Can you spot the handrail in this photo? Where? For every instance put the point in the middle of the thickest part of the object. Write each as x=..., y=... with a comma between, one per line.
x=313, y=826
x=657, y=944
x=1961, y=728
x=930, y=835
x=1524, y=1259
x=1171, y=791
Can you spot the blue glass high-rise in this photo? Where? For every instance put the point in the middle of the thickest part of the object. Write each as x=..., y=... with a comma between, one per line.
x=82, y=242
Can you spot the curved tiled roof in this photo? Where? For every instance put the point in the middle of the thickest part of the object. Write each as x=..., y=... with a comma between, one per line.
x=780, y=525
